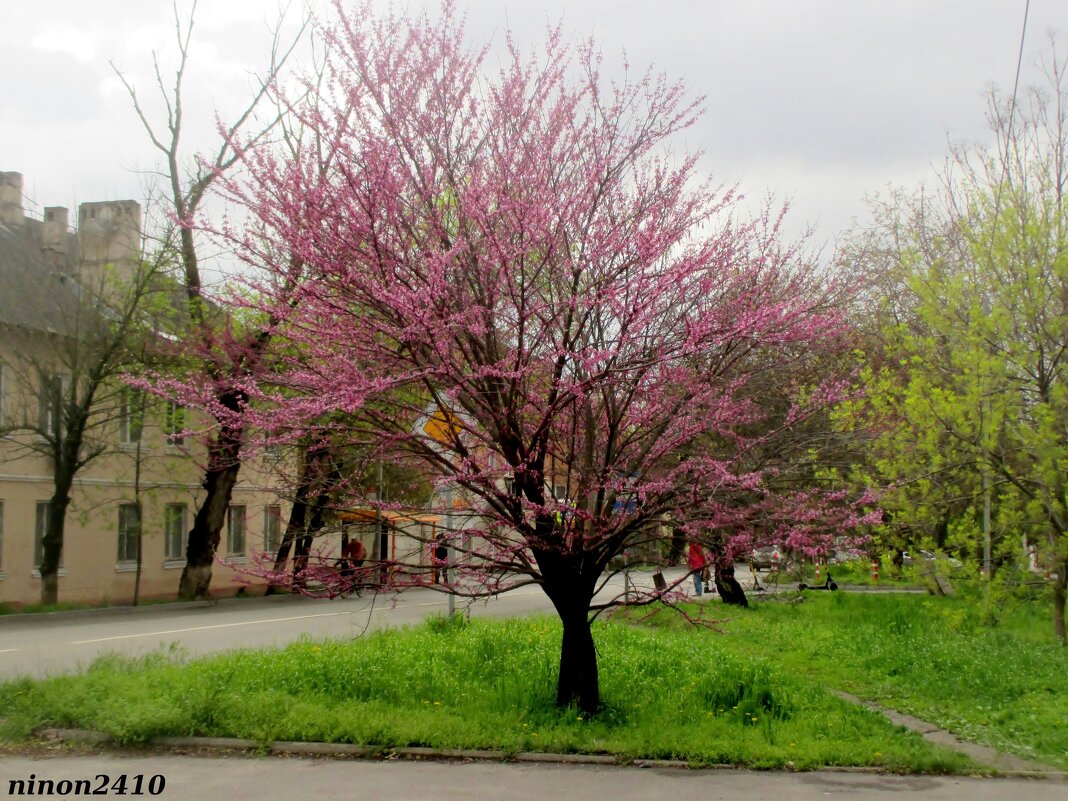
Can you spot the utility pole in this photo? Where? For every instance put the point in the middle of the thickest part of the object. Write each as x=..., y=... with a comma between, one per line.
x=986, y=525
x=449, y=551
x=383, y=537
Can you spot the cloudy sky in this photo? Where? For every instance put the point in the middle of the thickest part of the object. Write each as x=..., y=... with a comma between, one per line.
x=818, y=101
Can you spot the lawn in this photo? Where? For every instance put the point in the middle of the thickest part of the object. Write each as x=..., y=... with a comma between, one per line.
x=855, y=573
x=677, y=694
x=753, y=690
x=937, y=658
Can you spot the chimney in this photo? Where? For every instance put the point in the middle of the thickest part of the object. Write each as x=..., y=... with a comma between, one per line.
x=109, y=232
x=54, y=236
x=11, y=198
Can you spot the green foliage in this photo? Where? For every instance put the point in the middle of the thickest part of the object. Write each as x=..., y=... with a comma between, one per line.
x=967, y=380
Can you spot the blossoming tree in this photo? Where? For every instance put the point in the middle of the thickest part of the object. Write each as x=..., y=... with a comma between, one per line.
x=513, y=252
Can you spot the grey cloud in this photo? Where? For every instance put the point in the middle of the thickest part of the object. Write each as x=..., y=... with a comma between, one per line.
x=41, y=88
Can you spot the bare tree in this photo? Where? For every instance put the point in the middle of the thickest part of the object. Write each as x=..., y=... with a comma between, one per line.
x=189, y=181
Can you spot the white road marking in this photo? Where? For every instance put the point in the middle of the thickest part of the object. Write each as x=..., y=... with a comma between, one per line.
x=7, y=650
x=442, y=602
x=215, y=626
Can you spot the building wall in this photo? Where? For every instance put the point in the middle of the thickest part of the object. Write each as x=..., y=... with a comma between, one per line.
x=92, y=570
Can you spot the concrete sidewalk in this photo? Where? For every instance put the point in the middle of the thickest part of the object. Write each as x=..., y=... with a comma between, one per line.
x=197, y=778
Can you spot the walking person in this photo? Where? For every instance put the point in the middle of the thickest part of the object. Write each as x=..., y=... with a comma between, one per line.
x=696, y=561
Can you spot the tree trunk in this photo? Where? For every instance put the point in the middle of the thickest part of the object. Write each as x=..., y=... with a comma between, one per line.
x=308, y=513
x=727, y=585
x=52, y=543
x=678, y=546
x=138, y=464
x=1060, y=598
x=578, y=682
x=898, y=561
x=316, y=517
x=140, y=541
x=294, y=528
x=219, y=480
x=571, y=590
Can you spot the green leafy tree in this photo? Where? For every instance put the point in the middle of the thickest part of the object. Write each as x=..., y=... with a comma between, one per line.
x=967, y=405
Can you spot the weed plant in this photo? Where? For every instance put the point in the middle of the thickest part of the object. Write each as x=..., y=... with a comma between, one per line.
x=673, y=693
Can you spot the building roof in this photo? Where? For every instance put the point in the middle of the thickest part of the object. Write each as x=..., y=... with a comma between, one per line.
x=36, y=292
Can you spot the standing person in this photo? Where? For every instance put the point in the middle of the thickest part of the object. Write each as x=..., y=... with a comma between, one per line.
x=695, y=558
x=439, y=556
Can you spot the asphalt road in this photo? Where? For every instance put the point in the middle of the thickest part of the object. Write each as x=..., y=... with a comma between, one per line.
x=42, y=645
x=194, y=778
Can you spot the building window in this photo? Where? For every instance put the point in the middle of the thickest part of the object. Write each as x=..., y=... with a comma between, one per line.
x=272, y=528
x=235, y=531
x=44, y=510
x=49, y=404
x=129, y=525
x=174, y=423
x=131, y=416
x=174, y=531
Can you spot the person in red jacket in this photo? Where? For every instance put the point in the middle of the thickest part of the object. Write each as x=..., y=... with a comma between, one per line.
x=353, y=554
x=696, y=560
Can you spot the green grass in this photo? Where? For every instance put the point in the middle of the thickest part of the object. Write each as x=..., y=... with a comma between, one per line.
x=671, y=693
x=855, y=573
x=28, y=609
x=936, y=658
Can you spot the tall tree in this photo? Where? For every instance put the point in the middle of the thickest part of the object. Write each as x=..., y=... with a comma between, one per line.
x=225, y=362
x=511, y=280
x=973, y=396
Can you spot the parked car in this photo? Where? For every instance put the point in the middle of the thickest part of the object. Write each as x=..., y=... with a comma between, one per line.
x=765, y=557
x=843, y=556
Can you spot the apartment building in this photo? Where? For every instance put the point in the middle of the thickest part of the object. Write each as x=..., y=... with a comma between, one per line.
x=44, y=267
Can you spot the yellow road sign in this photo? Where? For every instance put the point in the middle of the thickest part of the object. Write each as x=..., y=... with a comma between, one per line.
x=442, y=427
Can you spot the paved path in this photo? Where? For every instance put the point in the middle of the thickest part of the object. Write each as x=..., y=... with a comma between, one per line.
x=195, y=778
x=983, y=754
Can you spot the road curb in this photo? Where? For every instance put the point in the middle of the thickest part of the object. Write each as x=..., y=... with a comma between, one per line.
x=121, y=611
x=351, y=751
